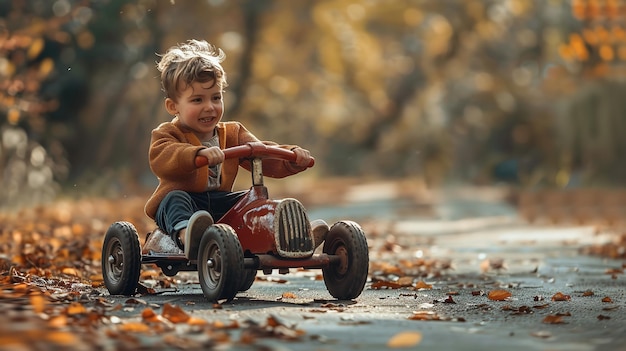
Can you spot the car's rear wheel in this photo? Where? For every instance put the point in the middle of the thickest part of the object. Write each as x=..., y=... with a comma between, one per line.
x=121, y=259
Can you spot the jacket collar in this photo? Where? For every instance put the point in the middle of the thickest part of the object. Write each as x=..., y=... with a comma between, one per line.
x=221, y=133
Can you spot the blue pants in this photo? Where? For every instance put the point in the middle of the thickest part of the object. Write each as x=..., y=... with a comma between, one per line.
x=177, y=206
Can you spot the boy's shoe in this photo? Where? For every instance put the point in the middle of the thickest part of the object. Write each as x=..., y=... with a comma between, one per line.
x=319, y=229
x=159, y=242
x=198, y=223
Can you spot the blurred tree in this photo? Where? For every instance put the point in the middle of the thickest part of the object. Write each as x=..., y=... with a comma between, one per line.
x=521, y=91
x=593, y=115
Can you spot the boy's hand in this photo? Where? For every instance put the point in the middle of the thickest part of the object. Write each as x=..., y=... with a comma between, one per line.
x=214, y=155
x=303, y=157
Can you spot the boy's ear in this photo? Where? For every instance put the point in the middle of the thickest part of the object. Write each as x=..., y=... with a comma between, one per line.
x=170, y=106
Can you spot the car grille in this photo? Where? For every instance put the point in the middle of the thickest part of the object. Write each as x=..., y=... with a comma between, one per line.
x=292, y=229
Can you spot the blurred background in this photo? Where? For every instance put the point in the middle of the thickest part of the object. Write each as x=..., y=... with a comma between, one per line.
x=528, y=94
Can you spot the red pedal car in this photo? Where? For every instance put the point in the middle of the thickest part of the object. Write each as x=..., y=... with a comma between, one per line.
x=258, y=233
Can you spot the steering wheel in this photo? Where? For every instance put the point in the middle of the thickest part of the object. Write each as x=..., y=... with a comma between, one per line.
x=254, y=150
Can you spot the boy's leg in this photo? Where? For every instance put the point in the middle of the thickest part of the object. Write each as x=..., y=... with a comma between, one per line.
x=176, y=209
x=222, y=201
x=160, y=242
x=198, y=223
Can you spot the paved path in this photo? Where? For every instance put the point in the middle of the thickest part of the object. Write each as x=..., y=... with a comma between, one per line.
x=484, y=247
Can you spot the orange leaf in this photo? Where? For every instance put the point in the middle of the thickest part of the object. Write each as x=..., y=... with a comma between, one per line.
x=61, y=337
x=607, y=299
x=197, y=321
x=551, y=319
x=149, y=274
x=614, y=271
x=422, y=285
x=58, y=321
x=499, y=295
x=288, y=295
x=273, y=322
x=405, y=281
x=148, y=315
x=175, y=314
x=424, y=316
x=559, y=296
x=135, y=327
x=71, y=271
x=75, y=308
x=38, y=302
x=405, y=339
x=382, y=284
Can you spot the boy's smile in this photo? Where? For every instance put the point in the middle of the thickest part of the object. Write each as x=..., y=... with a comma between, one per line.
x=199, y=107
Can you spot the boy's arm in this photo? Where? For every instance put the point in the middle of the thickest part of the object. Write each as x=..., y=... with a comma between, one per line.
x=271, y=167
x=170, y=156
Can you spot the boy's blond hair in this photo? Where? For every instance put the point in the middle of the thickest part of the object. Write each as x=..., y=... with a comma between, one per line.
x=194, y=61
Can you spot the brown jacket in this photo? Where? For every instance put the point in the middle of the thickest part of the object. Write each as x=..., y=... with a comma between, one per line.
x=172, y=156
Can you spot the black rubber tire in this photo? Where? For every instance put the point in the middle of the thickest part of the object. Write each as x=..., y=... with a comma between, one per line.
x=248, y=278
x=121, y=259
x=345, y=281
x=221, y=279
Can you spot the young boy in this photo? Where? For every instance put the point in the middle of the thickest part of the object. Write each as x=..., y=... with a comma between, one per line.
x=188, y=199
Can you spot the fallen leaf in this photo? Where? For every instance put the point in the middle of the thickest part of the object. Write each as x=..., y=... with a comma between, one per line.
x=288, y=295
x=197, y=321
x=607, y=299
x=614, y=271
x=38, y=302
x=422, y=285
x=60, y=338
x=553, y=319
x=58, y=321
x=499, y=295
x=424, y=316
x=405, y=281
x=404, y=339
x=76, y=308
x=385, y=284
x=148, y=315
x=559, y=296
x=71, y=271
x=449, y=300
x=174, y=314
x=134, y=327
x=602, y=317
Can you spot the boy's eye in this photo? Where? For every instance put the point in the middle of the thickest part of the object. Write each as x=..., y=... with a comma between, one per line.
x=217, y=97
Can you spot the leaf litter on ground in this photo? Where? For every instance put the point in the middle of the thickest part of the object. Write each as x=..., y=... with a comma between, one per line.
x=51, y=284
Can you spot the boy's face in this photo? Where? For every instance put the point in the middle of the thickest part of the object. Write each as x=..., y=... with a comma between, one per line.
x=199, y=107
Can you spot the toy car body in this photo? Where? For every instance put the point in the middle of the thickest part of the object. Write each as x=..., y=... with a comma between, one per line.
x=258, y=233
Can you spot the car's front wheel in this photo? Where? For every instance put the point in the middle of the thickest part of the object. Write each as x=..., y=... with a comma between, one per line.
x=220, y=263
x=346, y=280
